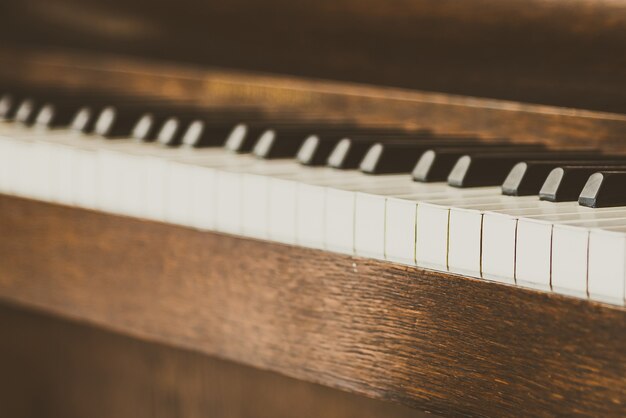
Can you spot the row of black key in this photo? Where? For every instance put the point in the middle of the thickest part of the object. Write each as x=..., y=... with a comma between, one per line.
x=595, y=179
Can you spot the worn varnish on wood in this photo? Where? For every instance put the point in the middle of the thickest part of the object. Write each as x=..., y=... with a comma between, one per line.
x=432, y=341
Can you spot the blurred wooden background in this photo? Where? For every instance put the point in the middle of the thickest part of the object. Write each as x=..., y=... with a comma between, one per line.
x=560, y=52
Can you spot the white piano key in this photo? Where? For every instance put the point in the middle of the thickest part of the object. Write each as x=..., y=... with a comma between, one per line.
x=433, y=226
x=312, y=213
x=500, y=233
x=365, y=224
x=533, y=253
x=203, y=198
x=569, y=260
x=63, y=190
x=255, y=206
x=369, y=226
x=179, y=194
x=5, y=158
x=607, y=265
x=340, y=209
x=466, y=231
x=155, y=174
x=228, y=199
x=339, y=221
x=84, y=178
x=310, y=219
x=498, y=247
x=371, y=207
x=400, y=226
x=570, y=249
x=110, y=179
x=282, y=213
x=431, y=250
x=499, y=236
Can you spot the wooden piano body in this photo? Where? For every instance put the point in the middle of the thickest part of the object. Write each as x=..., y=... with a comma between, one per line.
x=236, y=311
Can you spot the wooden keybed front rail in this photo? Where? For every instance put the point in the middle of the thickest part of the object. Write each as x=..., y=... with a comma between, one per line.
x=437, y=342
x=366, y=104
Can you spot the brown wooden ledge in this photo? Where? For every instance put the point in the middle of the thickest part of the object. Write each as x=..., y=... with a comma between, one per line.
x=433, y=341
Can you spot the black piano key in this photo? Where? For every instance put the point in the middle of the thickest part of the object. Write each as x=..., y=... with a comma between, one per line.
x=54, y=115
x=84, y=120
x=200, y=134
x=284, y=141
x=564, y=184
x=8, y=106
x=27, y=110
x=604, y=189
x=244, y=136
x=178, y=131
x=194, y=133
x=402, y=156
x=119, y=117
x=240, y=139
x=58, y=108
x=118, y=121
x=271, y=145
x=345, y=153
x=477, y=170
x=350, y=151
x=315, y=150
x=436, y=164
x=150, y=124
x=89, y=116
x=527, y=178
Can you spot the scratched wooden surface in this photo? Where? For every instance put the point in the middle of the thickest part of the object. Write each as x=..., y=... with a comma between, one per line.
x=431, y=341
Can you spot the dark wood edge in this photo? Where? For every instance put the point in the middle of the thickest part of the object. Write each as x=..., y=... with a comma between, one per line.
x=560, y=127
x=433, y=341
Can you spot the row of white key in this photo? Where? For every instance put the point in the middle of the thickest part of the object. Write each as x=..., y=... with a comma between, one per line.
x=478, y=232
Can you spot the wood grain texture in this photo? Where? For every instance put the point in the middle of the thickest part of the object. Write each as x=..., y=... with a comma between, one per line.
x=370, y=105
x=432, y=341
x=59, y=369
x=560, y=52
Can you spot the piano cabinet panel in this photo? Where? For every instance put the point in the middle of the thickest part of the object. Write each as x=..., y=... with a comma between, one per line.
x=59, y=369
x=435, y=342
x=369, y=105
x=560, y=52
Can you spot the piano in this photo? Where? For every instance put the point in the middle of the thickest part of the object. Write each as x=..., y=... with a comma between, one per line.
x=269, y=209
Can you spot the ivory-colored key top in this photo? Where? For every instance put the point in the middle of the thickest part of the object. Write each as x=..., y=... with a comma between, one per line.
x=311, y=201
x=534, y=253
x=400, y=227
x=179, y=198
x=607, y=265
x=255, y=206
x=499, y=235
x=340, y=208
x=433, y=226
x=465, y=231
x=371, y=218
x=570, y=249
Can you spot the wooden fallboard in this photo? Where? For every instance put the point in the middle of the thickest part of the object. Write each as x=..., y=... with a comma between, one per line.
x=437, y=342
x=367, y=104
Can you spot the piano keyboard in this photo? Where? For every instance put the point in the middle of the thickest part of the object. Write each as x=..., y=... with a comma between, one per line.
x=519, y=214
